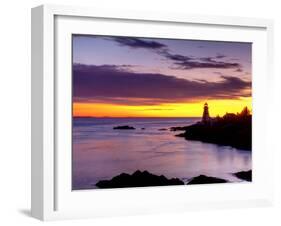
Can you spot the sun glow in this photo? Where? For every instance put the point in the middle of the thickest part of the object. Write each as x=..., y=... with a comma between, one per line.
x=216, y=107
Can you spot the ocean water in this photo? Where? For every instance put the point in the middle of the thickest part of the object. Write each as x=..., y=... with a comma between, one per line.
x=100, y=153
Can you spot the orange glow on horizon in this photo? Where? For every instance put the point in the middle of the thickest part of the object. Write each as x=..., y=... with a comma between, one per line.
x=216, y=107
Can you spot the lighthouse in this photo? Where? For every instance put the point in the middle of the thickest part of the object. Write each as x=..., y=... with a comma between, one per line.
x=206, y=117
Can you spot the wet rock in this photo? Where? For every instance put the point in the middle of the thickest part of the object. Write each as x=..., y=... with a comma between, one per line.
x=123, y=127
x=202, y=179
x=244, y=175
x=138, y=179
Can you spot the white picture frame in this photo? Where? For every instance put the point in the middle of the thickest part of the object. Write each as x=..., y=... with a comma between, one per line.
x=52, y=197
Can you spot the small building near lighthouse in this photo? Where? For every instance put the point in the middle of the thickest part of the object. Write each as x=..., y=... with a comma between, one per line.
x=206, y=116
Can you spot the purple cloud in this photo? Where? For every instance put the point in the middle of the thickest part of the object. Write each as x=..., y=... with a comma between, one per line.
x=220, y=56
x=109, y=83
x=188, y=62
x=179, y=61
x=138, y=43
x=239, y=70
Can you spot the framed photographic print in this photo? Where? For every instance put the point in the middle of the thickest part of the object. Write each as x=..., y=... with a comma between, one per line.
x=136, y=112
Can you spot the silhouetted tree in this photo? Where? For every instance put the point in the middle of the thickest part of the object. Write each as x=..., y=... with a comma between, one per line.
x=245, y=112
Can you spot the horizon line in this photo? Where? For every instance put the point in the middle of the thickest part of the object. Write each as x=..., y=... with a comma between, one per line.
x=135, y=117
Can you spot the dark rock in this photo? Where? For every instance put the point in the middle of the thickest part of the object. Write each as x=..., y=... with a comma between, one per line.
x=244, y=175
x=180, y=135
x=138, y=179
x=178, y=128
x=123, y=127
x=230, y=130
x=143, y=128
x=163, y=129
x=202, y=179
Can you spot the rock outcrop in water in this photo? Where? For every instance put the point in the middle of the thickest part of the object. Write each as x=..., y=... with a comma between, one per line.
x=162, y=129
x=124, y=127
x=138, y=179
x=232, y=130
x=202, y=179
x=244, y=175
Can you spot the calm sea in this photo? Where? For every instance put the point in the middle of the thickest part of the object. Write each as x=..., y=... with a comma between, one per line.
x=99, y=152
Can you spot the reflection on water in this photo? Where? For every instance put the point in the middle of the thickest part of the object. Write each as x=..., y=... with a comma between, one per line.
x=99, y=152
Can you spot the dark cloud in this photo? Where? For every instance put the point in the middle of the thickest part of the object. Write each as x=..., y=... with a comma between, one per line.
x=176, y=57
x=179, y=61
x=201, y=80
x=107, y=83
x=218, y=73
x=239, y=70
x=220, y=56
x=138, y=43
x=188, y=62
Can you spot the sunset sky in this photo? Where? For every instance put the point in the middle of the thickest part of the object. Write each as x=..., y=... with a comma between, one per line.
x=148, y=77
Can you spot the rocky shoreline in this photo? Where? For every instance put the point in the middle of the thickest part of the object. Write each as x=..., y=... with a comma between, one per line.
x=244, y=175
x=146, y=179
x=233, y=130
x=138, y=179
x=202, y=179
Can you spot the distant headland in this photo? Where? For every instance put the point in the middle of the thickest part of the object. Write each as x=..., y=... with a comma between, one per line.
x=231, y=129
